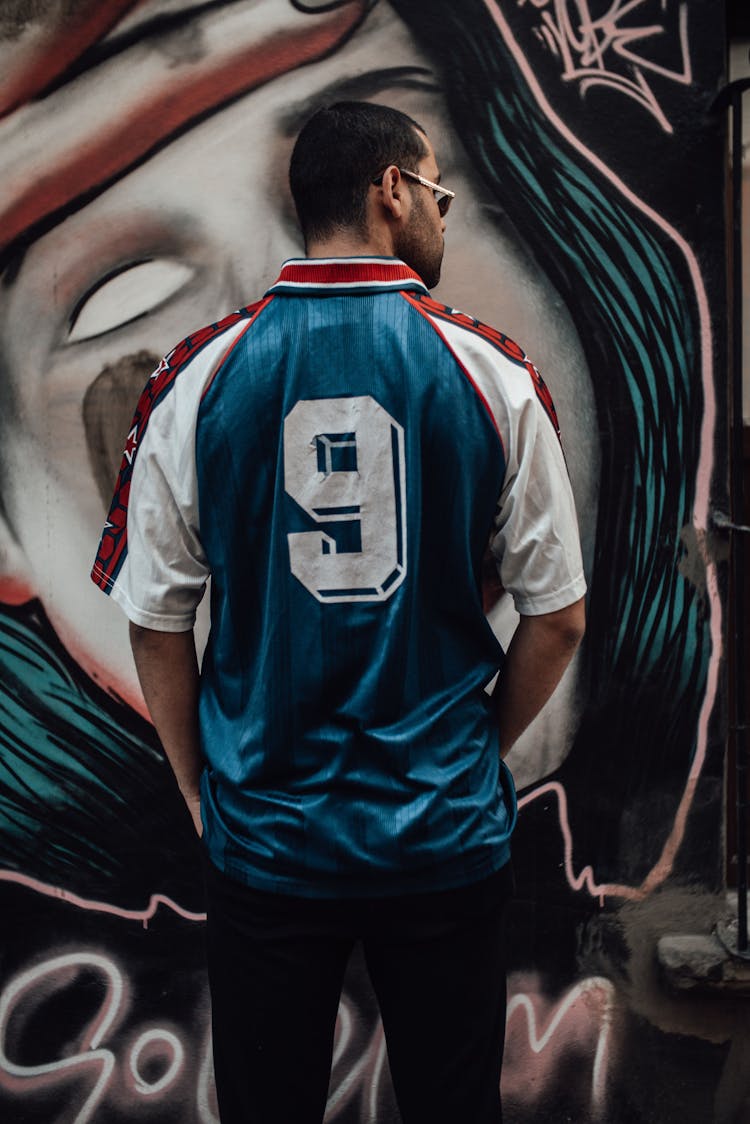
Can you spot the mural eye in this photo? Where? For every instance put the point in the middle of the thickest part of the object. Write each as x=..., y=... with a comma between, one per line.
x=124, y=294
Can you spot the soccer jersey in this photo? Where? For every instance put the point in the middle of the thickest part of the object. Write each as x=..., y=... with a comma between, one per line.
x=337, y=458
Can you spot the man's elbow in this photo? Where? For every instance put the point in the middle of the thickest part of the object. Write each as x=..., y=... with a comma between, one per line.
x=562, y=630
x=570, y=624
x=138, y=634
x=145, y=639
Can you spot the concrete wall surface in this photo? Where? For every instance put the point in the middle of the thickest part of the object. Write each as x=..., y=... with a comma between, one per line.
x=143, y=155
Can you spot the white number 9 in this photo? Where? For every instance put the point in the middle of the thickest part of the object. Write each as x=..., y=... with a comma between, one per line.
x=344, y=462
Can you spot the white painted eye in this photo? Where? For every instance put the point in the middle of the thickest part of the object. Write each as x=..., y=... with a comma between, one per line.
x=125, y=294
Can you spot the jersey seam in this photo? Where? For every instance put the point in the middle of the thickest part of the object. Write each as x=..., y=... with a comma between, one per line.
x=500, y=343
x=415, y=303
x=262, y=304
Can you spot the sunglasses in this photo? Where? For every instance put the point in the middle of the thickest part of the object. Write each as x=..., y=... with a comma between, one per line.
x=441, y=195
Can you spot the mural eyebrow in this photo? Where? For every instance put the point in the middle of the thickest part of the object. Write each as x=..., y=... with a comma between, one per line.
x=356, y=87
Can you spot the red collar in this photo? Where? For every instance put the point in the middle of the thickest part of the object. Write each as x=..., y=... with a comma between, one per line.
x=346, y=275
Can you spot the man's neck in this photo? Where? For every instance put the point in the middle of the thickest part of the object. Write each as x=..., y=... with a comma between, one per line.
x=345, y=244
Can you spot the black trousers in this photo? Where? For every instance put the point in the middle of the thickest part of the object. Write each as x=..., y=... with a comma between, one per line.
x=437, y=965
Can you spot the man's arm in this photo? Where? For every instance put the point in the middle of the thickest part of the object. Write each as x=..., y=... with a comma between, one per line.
x=167, y=668
x=541, y=649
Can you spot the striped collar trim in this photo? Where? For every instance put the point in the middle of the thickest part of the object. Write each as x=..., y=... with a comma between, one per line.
x=346, y=275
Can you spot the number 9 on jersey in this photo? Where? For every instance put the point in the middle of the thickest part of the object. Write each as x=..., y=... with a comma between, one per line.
x=344, y=463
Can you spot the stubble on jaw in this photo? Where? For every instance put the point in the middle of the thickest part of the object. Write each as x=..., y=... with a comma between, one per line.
x=420, y=244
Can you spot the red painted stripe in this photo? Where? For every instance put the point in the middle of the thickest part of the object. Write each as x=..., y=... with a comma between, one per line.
x=150, y=117
x=56, y=49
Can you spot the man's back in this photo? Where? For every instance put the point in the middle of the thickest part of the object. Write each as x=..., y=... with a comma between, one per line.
x=342, y=451
x=348, y=593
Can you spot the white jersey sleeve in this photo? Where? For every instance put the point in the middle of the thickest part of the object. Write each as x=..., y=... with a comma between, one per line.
x=163, y=577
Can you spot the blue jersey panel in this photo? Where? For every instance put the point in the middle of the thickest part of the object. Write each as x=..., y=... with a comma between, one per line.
x=348, y=477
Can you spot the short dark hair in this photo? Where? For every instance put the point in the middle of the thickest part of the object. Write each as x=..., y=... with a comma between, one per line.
x=338, y=153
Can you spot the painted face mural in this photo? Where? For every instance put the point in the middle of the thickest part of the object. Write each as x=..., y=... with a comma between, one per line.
x=143, y=194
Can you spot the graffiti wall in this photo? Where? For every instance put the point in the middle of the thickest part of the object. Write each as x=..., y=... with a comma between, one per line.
x=144, y=146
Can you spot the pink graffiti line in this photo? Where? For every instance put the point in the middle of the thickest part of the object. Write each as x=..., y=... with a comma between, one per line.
x=142, y=915
x=665, y=862
x=585, y=878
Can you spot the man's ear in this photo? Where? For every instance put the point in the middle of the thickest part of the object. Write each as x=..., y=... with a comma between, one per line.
x=16, y=585
x=393, y=191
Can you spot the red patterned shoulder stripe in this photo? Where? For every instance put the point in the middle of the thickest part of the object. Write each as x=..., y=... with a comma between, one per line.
x=423, y=306
x=503, y=343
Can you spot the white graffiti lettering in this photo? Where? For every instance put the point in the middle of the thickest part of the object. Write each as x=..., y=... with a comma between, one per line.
x=144, y=1044
x=208, y=1112
x=356, y=1066
x=102, y=1062
x=541, y=1033
x=155, y=1048
x=58, y=973
x=600, y=50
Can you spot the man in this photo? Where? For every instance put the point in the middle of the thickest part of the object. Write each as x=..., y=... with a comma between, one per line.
x=337, y=457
